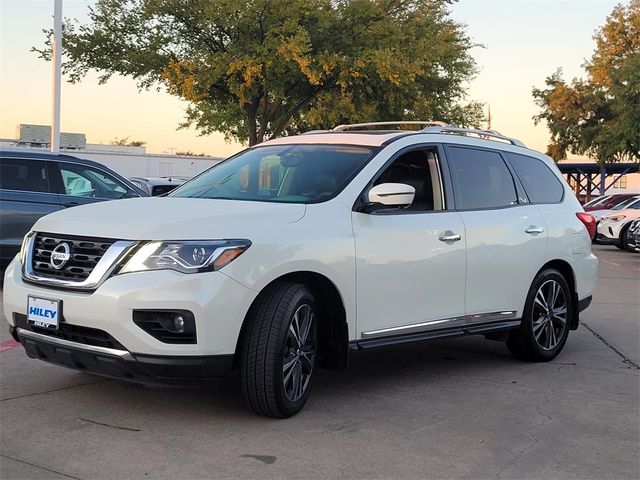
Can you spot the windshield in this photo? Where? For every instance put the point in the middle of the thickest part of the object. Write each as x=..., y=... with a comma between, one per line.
x=596, y=201
x=625, y=204
x=281, y=173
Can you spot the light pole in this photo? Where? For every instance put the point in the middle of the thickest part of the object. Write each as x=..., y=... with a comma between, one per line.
x=56, y=46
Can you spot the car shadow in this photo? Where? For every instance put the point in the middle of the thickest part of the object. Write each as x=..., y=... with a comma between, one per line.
x=376, y=372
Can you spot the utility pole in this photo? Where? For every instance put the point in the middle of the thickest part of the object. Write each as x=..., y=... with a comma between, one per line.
x=57, y=60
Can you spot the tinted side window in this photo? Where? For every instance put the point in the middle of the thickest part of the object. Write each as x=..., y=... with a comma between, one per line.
x=418, y=168
x=541, y=184
x=23, y=174
x=481, y=179
x=82, y=181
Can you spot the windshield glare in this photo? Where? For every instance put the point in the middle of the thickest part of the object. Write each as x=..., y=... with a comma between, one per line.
x=280, y=173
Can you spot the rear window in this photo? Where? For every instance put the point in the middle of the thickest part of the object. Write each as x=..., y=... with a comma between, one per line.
x=482, y=179
x=162, y=189
x=22, y=174
x=541, y=185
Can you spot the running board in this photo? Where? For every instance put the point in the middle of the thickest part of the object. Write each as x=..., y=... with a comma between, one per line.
x=433, y=334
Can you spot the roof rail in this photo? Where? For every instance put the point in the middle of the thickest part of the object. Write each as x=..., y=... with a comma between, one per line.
x=484, y=134
x=313, y=132
x=363, y=126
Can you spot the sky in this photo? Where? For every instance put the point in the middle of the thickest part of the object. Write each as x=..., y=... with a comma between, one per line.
x=523, y=42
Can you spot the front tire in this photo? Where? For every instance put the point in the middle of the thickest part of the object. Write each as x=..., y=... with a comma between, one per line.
x=279, y=350
x=545, y=323
x=622, y=241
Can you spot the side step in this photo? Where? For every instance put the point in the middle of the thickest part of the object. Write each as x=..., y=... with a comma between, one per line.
x=483, y=328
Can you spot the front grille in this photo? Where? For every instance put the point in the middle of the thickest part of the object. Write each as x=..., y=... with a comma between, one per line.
x=73, y=333
x=85, y=253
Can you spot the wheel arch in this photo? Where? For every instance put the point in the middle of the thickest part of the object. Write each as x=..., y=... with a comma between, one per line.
x=566, y=270
x=333, y=345
x=622, y=237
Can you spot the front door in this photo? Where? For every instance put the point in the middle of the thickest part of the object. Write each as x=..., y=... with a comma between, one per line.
x=83, y=184
x=410, y=263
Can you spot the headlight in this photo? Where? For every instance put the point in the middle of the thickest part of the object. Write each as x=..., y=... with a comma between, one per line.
x=191, y=256
x=616, y=218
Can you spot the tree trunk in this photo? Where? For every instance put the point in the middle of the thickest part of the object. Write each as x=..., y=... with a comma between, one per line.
x=252, y=126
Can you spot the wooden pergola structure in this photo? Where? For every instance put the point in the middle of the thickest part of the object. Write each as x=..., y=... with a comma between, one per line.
x=591, y=179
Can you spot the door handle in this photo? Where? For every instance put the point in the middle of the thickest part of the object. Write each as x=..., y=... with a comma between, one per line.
x=449, y=236
x=533, y=230
x=70, y=204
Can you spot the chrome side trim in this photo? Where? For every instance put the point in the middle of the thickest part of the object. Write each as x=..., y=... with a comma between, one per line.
x=99, y=274
x=442, y=323
x=123, y=354
x=415, y=328
x=490, y=317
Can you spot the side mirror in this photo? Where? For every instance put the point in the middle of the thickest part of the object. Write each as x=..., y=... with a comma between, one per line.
x=391, y=195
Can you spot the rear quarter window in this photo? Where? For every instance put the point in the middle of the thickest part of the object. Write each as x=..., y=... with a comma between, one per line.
x=541, y=185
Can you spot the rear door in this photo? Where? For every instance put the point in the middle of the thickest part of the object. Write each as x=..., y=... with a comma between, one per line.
x=505, y=234
x=25, y=196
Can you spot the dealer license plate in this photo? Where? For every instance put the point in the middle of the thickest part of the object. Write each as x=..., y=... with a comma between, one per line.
x=43, y=312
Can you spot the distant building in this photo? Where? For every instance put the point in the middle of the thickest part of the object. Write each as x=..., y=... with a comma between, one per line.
x=128, y=161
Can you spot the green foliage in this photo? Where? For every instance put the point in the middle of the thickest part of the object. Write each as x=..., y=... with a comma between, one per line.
x=189, y=153
x=125, y=142
x=599, y=116
x=257, y=69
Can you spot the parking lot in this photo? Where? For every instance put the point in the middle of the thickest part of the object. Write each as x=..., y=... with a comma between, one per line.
x=461, y=408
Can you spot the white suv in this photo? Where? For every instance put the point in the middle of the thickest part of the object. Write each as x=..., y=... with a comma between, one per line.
x=288, y=255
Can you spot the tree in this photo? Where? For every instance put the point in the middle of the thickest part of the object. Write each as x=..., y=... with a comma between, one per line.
x=599, y=116
x=189, y=153
x=125, y=142
x=257, y=69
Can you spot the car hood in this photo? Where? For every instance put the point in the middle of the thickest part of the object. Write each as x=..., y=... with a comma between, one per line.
x=600, y=213
x=170, y=218
x=629, y=214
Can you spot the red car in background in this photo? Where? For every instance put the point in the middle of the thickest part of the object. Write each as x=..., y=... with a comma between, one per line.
x=609, y=202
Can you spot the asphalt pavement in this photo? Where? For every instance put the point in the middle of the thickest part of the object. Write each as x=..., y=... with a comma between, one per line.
x=457, y=408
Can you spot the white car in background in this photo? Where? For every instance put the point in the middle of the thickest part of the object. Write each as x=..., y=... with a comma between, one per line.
x=598, y=214
x=612, y=228
x=293, y=253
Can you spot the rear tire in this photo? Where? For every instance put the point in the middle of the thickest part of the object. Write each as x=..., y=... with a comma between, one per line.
x=544, y=328
x=279, y=350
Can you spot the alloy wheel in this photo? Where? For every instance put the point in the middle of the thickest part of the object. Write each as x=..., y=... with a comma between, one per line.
x=299, y=353
x=549, y=315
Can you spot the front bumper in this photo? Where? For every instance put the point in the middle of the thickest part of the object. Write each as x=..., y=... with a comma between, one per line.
x=123, y=365
x=217, y=302
x=608, y=233
x=603, y=240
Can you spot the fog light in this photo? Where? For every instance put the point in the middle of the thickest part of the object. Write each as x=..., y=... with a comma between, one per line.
x=168, y=326
x=178, y=324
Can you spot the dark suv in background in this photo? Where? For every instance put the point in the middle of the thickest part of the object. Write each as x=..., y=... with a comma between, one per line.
x=33, y=184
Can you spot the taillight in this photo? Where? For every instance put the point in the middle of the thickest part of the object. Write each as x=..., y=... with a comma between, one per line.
x=589, y=222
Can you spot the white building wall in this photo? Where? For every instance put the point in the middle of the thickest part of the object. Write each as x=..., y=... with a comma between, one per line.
x=134, y=161
x=148, y=165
